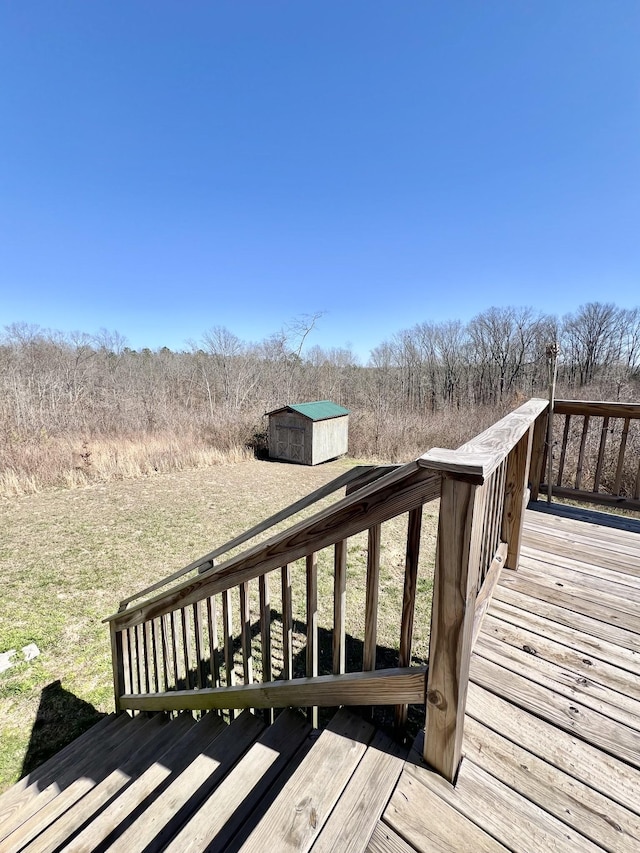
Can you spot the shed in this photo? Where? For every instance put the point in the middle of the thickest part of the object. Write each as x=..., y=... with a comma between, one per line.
x=308, y=432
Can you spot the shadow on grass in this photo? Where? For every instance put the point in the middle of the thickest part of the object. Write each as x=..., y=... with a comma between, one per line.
x=61, y=718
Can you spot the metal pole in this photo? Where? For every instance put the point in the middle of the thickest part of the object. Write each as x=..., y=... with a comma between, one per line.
x=552, y=369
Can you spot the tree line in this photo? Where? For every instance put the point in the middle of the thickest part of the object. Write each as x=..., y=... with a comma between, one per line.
x=96, y=384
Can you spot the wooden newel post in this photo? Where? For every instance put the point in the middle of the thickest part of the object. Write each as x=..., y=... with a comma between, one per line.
x=516, y=497
x=552, y=367
x=537, y=453
x=454, y=598
x=117, y=661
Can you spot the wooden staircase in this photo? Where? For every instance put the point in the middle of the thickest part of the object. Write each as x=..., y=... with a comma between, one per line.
x=154, y=783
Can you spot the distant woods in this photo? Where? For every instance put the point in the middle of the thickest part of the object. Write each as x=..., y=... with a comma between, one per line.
x=79, y=407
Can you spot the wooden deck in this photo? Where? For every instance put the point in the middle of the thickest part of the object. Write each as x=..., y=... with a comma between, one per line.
x=551, y=743
x=552, y=732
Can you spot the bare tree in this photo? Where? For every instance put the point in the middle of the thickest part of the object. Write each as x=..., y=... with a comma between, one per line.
x=592, y=339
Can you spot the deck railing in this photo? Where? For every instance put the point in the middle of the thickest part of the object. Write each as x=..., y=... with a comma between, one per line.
x=175, y=650
x=595, y=454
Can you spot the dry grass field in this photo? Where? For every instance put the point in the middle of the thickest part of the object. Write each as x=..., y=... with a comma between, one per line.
x=68, y=556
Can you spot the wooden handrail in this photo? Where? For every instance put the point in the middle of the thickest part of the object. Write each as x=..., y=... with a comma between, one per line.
x=394, y=493
x=353, y=479
x=476, y=459
x=597, y=408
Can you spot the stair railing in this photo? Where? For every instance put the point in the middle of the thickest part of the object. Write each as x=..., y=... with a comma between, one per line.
x=166, y=654
x=177, y=649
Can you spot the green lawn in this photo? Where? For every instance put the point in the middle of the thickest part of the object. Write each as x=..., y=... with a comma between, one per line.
x=68, y=557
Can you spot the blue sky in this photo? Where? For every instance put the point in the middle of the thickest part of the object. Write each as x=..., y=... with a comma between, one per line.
x=167, y=167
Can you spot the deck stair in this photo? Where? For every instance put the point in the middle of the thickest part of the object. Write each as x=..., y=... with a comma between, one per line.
x=153, y=783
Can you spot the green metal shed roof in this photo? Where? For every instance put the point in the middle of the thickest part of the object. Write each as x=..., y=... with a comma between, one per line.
x=321, y=410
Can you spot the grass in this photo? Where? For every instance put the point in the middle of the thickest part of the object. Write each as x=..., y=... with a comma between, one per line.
x=68, y=556
x=30, y=464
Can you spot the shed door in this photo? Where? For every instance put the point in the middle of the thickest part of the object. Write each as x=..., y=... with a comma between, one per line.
x=290, y=443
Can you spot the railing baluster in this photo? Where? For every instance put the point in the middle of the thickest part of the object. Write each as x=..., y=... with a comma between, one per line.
x=287, y=624
x=414, y=529
x=515, y=497
x=245, y=633
x=265, y=635
x=603, y=441
x=265, y=627
x=563, y=450
x=136, y=637
x=339, y=606
x=496, y=517
x=165, y=651
x=537, y=454
x=620, y=466
x=311, y=565
x=133, y=684
x=117, y=661
x=212, y=624
x=154, y=652
x=174, y=647
x=371, y=604
x=197, y=633
x=496, y=523
x=227, y=620
x=186, y=647
x=146, y=662
x=583, y=442
x=545, y=455
x=487, y=526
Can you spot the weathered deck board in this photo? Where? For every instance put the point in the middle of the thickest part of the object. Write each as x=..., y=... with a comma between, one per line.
x=69, y=820
x=232, y=804
x=153, y=829
x=79, y=780
x=615, y=595
x=303, y=805
x=570, y=658
x=577, y=599
x=574, y=802
x=51, y=777
x=505, y=814
x=565, y=713
x=356, y=814
x=584, y=642
x=112, y=821
x=625, y=640
x=430, y=823
x=563, y=680
x=385, y=840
